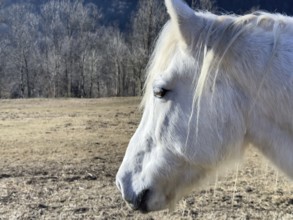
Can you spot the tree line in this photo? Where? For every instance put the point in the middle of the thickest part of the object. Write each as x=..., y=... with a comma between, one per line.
x=60, y=49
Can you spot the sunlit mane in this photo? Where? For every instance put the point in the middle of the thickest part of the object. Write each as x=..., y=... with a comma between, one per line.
x=165, y=47
x=220, y=35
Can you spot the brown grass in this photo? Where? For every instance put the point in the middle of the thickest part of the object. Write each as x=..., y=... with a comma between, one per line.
x=59, y=159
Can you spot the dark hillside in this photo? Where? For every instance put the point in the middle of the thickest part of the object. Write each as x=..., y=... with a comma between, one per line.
x=119, y=12
x=116, y=12
x=240, y=6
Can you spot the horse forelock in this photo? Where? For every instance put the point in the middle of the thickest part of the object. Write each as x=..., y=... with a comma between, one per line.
x=165, y=47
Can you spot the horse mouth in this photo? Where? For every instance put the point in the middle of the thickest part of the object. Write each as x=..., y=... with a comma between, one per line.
x=145, y=203
x=141, y=201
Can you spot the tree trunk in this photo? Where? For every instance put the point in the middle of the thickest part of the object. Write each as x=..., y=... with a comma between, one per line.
x=149, y=28
x=98, y=89
x=67, y=79
x=91, y=80
x=28, y=80
x=21, y=85
x=82, y=80
x=117, y=70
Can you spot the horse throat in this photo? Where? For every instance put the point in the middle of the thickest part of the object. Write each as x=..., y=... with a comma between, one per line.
x=273, y=139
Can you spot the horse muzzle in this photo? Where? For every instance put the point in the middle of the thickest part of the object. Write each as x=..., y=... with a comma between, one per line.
x=136, y=201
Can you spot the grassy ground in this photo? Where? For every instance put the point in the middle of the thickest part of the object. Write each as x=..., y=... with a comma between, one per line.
x=58, y=160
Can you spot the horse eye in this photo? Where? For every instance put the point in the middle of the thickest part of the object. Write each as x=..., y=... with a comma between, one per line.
x=160, y=92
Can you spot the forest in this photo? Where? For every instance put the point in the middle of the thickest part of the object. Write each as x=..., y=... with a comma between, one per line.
x=88, y=49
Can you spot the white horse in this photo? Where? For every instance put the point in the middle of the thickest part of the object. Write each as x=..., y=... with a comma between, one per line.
x=215, y=84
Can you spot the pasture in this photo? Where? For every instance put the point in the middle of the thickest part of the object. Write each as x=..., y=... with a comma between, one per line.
x=59, y=158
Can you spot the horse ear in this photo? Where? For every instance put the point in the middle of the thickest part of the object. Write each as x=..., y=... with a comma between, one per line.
x=184, y=19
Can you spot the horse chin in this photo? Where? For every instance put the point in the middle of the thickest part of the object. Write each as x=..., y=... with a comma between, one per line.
x=167, y=203
x=160, y=199
x=159, y=202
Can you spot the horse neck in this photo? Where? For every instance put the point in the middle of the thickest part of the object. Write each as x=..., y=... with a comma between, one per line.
x=269, y=113
x=272, y=139
x=262, y=73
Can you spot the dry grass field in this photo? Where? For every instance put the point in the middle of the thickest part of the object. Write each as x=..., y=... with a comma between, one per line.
x=58, y=160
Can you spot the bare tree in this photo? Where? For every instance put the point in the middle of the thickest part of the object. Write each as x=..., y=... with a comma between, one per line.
x=67, y=25
x=119, y=52
x=23, y=25
x=2, y=66
x=58, y=49
x=92, y=59
x=146, y=24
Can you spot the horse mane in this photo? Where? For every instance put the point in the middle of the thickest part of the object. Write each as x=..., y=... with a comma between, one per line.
x=216, y=42
x=164, y=47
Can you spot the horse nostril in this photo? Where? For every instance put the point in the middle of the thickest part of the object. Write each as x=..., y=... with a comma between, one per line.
x=141, y=202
